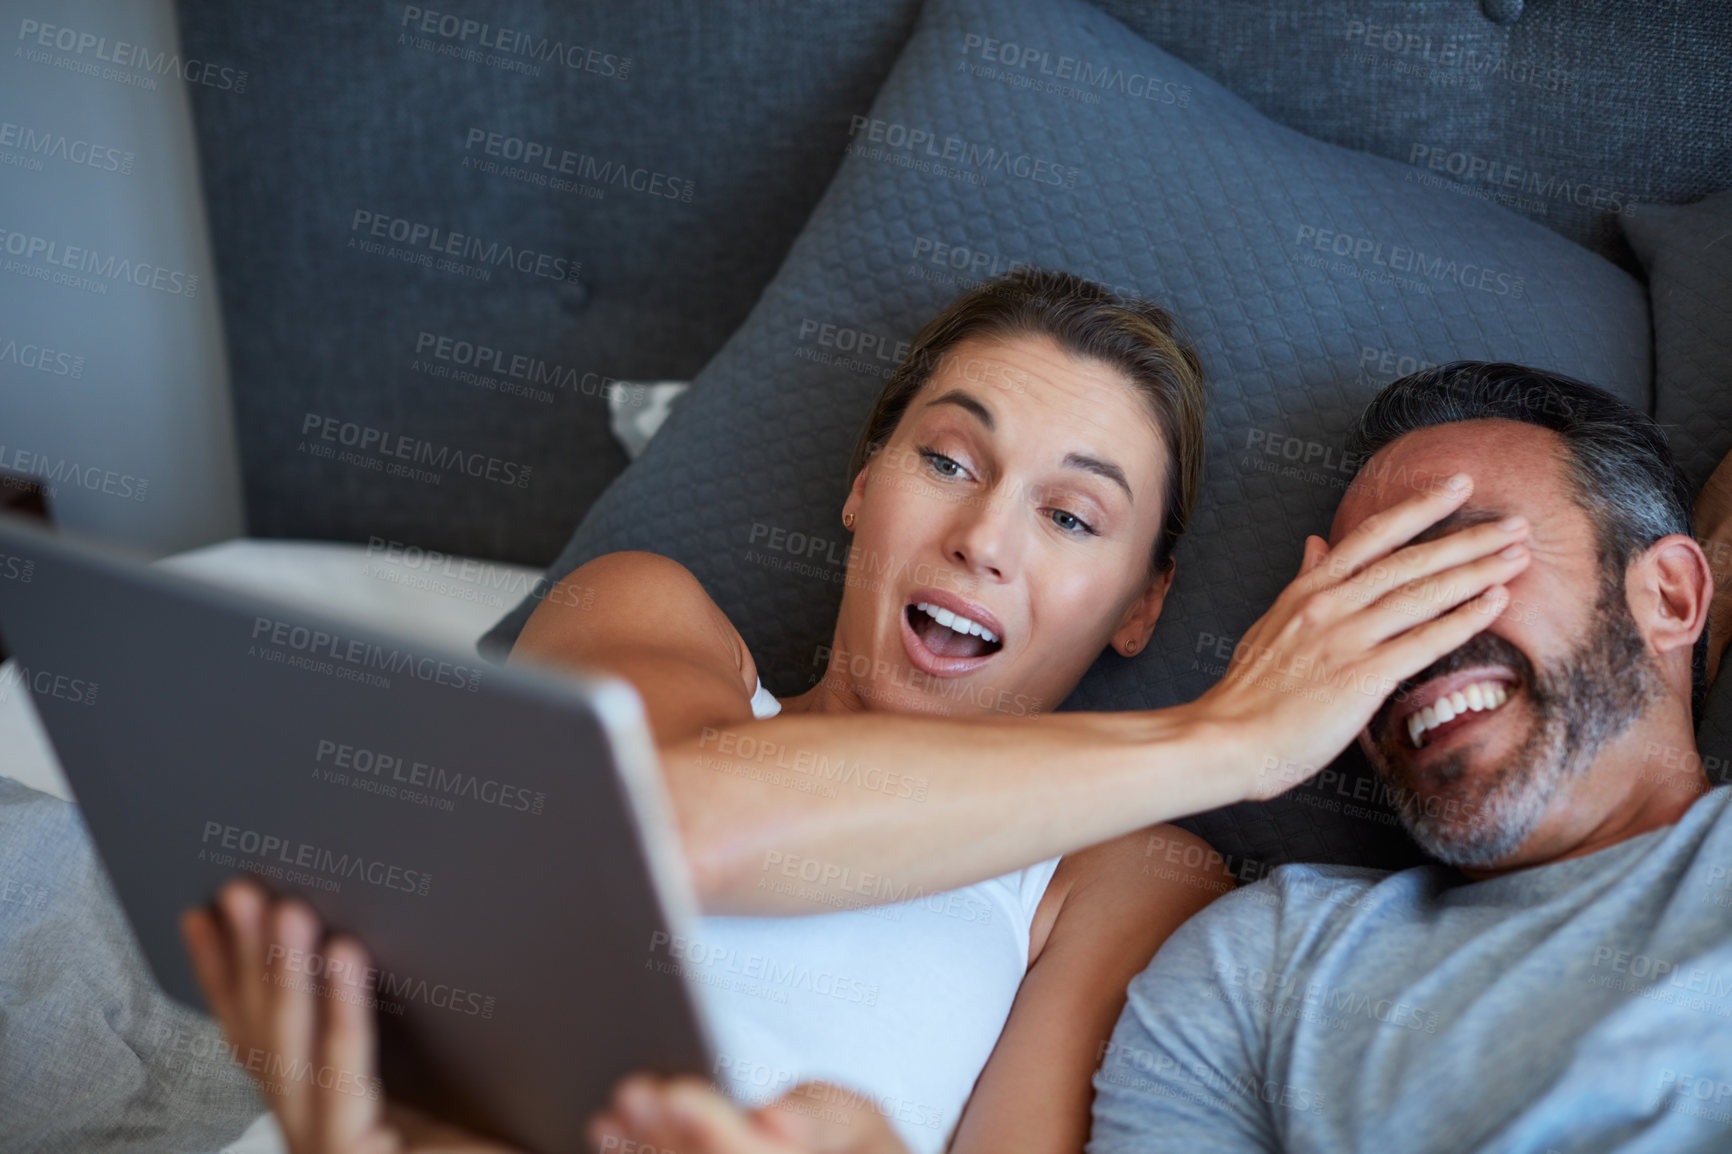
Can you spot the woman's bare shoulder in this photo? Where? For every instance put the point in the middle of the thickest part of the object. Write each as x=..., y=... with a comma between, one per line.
x=647, y=618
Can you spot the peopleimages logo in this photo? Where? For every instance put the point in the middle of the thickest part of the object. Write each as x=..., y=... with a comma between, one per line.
x=358, y=761
x=532, y=370
x=46, y=682
x=462, y=31
x=53, y=472
x=1467, y=167
x=128, y=55
x=1063, y=67
x=555, y=161
x=281, y=857
x=902, y=140
x=367, y=438
x=714, y=959
x=78, y=258
x=391, y=990
x=38, y=143
x=435, y=240
x=41, y=358
x=1399, y=258
x=19, y=569
x=291, y=637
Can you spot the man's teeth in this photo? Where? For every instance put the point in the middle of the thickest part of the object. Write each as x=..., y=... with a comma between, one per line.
x=1475, y=698
x=956, y=621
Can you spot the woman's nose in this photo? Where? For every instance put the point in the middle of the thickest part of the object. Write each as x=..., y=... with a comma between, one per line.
x=983, y=538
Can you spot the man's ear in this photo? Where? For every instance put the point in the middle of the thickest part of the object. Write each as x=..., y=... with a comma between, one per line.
x=1669, y=588
x=1139, y=620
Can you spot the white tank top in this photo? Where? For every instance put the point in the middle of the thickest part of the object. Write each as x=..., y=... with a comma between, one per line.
x=901, y=1004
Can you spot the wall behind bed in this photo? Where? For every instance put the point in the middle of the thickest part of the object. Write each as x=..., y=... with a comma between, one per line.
x=463, y=407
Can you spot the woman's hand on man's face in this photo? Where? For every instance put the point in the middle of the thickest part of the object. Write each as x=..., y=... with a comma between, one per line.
x=308, y=1042
x=652, y=1115
x=1358, y=620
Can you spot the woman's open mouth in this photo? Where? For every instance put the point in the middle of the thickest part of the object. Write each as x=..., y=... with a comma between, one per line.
x=943, y=642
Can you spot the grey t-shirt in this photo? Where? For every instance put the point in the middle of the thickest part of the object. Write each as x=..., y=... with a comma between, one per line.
x=1583, y=1005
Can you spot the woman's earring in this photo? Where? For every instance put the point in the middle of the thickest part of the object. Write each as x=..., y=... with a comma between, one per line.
x=1130, y=646
x=848, y=521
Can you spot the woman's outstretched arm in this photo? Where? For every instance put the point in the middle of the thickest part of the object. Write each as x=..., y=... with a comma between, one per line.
x=806, y=813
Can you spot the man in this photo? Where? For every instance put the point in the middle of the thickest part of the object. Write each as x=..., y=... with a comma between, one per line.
x=1564, y=980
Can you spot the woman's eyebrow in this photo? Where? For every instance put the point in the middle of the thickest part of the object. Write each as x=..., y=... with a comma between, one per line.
x=968, y=402
x=1100, y=468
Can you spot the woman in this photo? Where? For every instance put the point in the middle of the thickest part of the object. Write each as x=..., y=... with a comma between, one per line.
x=1016, y=497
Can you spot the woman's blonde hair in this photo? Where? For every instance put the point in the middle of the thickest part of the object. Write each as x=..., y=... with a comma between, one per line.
x=1088, y=321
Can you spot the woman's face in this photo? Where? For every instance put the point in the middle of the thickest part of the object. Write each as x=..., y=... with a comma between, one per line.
x=1022, y=491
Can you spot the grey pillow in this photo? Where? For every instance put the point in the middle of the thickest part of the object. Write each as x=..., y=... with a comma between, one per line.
x=1569, y=116
x=684, y=145
x=1687, y=251
x=1044, y=132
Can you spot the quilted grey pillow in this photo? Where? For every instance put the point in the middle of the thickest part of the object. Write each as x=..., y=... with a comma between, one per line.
x=1687, y=250
x=1044, y=132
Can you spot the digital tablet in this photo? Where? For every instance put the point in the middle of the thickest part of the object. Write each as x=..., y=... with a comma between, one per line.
x=498, y=837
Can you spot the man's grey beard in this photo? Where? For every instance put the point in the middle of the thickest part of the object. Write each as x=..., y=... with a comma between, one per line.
x=1579, y=706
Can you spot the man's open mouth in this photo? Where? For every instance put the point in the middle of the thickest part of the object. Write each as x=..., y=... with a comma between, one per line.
x=1445, y=705
x=949, y=634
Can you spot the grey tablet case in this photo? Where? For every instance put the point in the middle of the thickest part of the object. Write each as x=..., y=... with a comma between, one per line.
x=497, y=837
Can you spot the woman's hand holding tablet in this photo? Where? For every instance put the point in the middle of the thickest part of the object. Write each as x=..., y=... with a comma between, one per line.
x=311, y=1050
x=313, y=1058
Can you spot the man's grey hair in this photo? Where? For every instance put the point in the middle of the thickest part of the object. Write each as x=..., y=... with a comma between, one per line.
x=1617, y=458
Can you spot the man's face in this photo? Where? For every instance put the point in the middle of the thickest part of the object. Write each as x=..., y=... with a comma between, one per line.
x=1482, y=742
